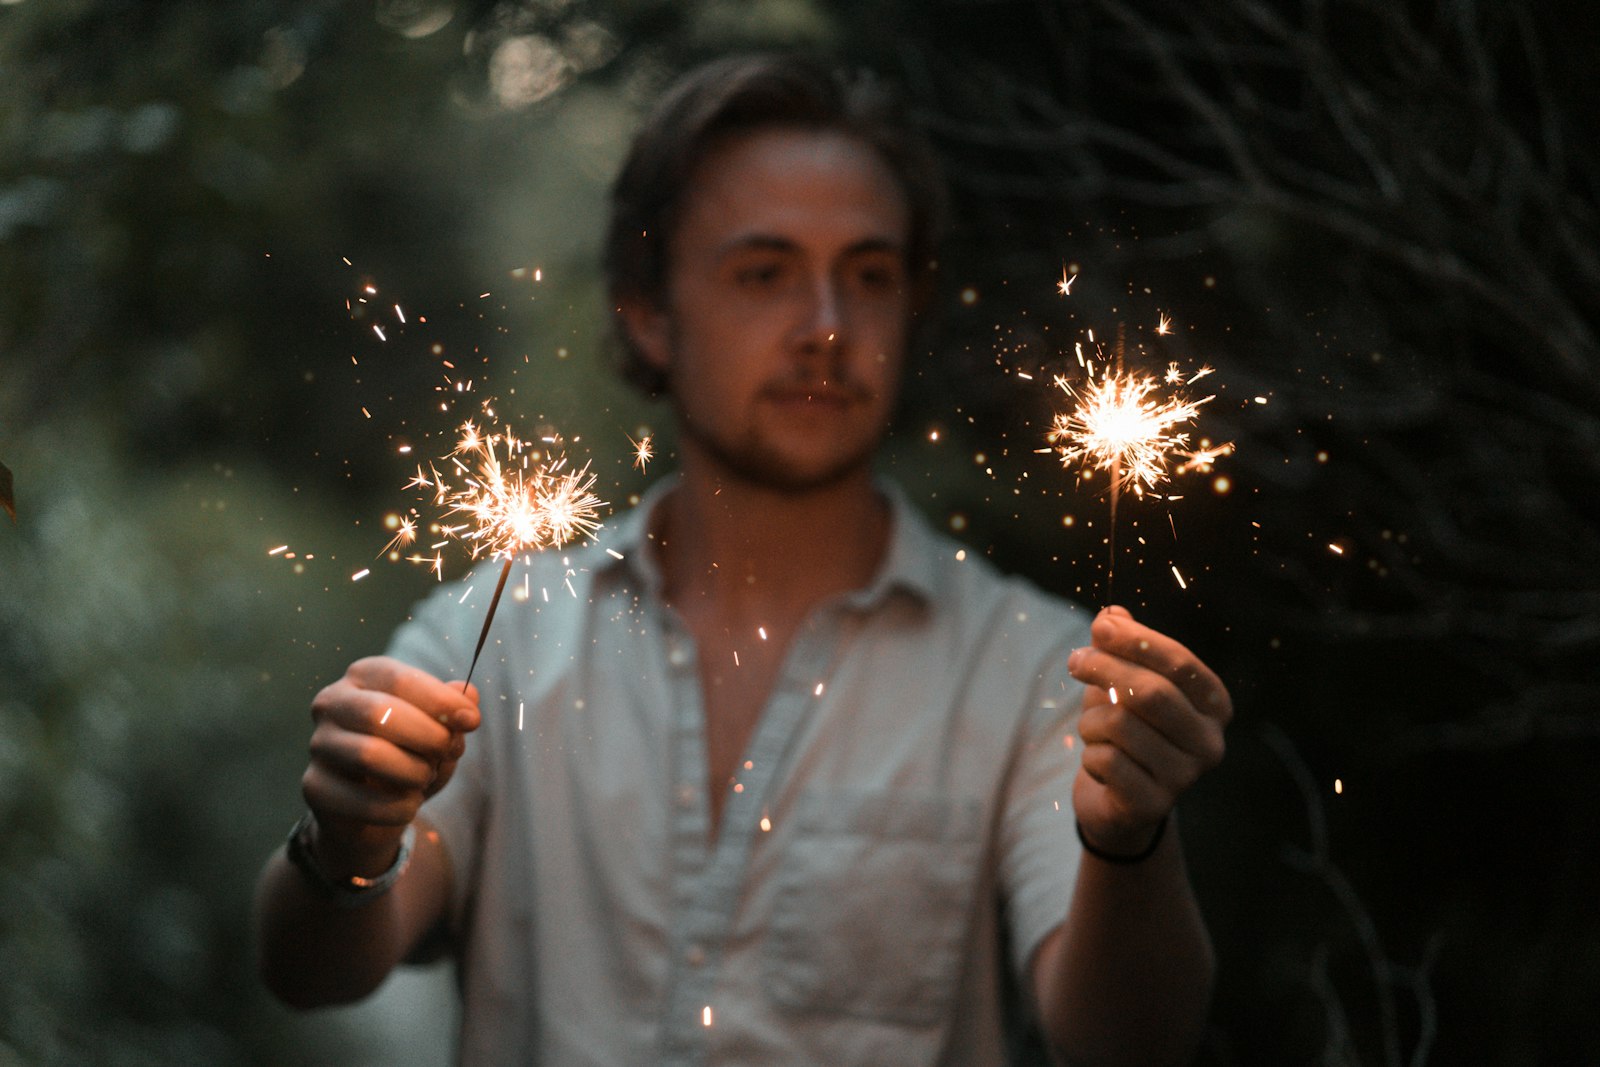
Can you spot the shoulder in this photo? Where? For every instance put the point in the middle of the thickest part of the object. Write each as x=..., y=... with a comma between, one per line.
x=967, y=590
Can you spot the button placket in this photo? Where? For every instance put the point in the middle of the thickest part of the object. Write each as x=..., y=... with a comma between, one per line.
x=703, y=926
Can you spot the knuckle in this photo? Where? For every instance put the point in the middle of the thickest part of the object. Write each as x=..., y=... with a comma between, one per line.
x=369, y=751
x=312, y=789
x=327, y=698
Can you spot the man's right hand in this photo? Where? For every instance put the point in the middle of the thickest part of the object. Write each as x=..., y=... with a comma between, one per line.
x=387, y=737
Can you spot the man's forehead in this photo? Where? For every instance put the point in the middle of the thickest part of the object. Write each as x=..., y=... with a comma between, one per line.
x=781, y=187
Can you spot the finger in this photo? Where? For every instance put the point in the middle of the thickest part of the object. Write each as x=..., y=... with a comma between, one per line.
x=1150, y=696
x=366, y=802
x=379, y=714
x=1115, y=631
x=446, y=703
x=358, y=756
x=1173, y=769
x=1133, y=794
x=447, y=768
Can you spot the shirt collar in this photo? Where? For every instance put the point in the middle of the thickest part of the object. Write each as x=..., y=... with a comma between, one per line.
x=913, y=565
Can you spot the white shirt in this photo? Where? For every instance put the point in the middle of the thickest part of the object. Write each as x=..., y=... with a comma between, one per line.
x=898, y=842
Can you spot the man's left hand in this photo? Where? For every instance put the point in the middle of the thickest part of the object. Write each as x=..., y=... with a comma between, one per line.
x=1152, y=724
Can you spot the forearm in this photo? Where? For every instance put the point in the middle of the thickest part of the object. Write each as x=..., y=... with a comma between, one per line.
x=313, y=953
x=1128, y=979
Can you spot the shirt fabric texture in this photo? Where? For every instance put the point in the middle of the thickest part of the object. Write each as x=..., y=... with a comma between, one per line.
x=898, y=842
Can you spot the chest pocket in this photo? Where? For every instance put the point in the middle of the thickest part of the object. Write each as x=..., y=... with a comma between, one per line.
x=874, y=905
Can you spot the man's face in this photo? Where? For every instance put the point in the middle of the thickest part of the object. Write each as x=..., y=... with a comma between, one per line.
x=787, y=307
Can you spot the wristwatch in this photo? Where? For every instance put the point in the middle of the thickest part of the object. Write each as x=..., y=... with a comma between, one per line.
x=354, y=891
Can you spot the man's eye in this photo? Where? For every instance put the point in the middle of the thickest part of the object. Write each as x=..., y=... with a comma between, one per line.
x=759, y=275
x=878, y=279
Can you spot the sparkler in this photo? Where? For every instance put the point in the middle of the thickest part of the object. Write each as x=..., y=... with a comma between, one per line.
x=1131, y=425
x=506, y=496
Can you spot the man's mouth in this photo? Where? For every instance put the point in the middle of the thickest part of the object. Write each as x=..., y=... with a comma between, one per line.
x=820, y=394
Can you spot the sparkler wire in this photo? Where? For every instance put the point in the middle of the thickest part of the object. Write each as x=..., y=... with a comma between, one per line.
x=483, y=635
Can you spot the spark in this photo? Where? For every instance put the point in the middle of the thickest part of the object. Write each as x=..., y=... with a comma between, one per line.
x=280, y=548
x=379, y=331
x=1131, y=425
x=360, y=574
x=499, y=496
x=1064, y=286
x=1179, y=575
x=643, y=451
x=1120, y=423
x=510, y=497
x=1202, y=458
x=1337, y=550
x=1163, y=325
x=406, y=534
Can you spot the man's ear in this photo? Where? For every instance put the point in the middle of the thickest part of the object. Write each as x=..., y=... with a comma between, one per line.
x=650, y=330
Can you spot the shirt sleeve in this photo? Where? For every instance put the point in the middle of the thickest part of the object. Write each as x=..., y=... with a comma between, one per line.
x=432, y=640
x=1039, y=851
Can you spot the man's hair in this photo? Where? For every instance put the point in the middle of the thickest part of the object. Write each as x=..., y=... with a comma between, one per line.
x=742, y=94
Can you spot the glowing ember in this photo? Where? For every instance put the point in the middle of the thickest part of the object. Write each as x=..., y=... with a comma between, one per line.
x=643, y=451
x=512, y=498
x=499, y=497
x=1131, y=425
x=1122, y=423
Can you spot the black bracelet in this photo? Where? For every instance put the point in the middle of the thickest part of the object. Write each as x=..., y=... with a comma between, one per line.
x=1126, y=861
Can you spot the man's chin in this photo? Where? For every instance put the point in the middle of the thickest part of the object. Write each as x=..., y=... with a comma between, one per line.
x=770, y=469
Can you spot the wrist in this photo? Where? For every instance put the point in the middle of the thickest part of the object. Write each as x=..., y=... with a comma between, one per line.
x=1124, y=853
x=346, y=850
x=359, y=876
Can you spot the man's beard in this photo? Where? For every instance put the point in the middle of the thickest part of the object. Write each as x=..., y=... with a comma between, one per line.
x=752, y=461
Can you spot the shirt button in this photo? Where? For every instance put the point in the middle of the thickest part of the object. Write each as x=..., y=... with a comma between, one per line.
x=695, y=955
x=685, y=796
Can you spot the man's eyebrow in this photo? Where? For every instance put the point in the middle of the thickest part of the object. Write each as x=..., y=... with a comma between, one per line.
x=761, y=242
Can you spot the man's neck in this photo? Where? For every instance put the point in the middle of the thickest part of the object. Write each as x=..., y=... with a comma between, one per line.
x=747, y=553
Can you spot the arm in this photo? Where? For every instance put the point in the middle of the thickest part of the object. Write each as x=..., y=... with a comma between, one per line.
x=1127, y=977
x=387, y=737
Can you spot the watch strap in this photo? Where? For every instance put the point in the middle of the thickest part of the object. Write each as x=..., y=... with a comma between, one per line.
x=354, y=891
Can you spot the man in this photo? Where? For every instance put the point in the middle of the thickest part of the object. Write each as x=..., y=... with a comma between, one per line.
x=789, y=780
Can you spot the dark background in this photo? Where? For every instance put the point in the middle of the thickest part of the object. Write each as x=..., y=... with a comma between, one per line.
x=1379, y=218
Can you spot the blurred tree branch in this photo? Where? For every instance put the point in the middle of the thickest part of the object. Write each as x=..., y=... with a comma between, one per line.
x=1416, y=176
x=1388, y=978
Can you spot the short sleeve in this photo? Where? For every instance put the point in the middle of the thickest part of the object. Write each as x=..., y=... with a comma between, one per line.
x=1039, y=852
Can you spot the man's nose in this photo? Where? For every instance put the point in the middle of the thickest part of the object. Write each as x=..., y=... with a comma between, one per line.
x=823, y=328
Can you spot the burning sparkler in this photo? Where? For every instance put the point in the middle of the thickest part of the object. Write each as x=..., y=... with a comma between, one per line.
x=1129, y=424
x=507, y=496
